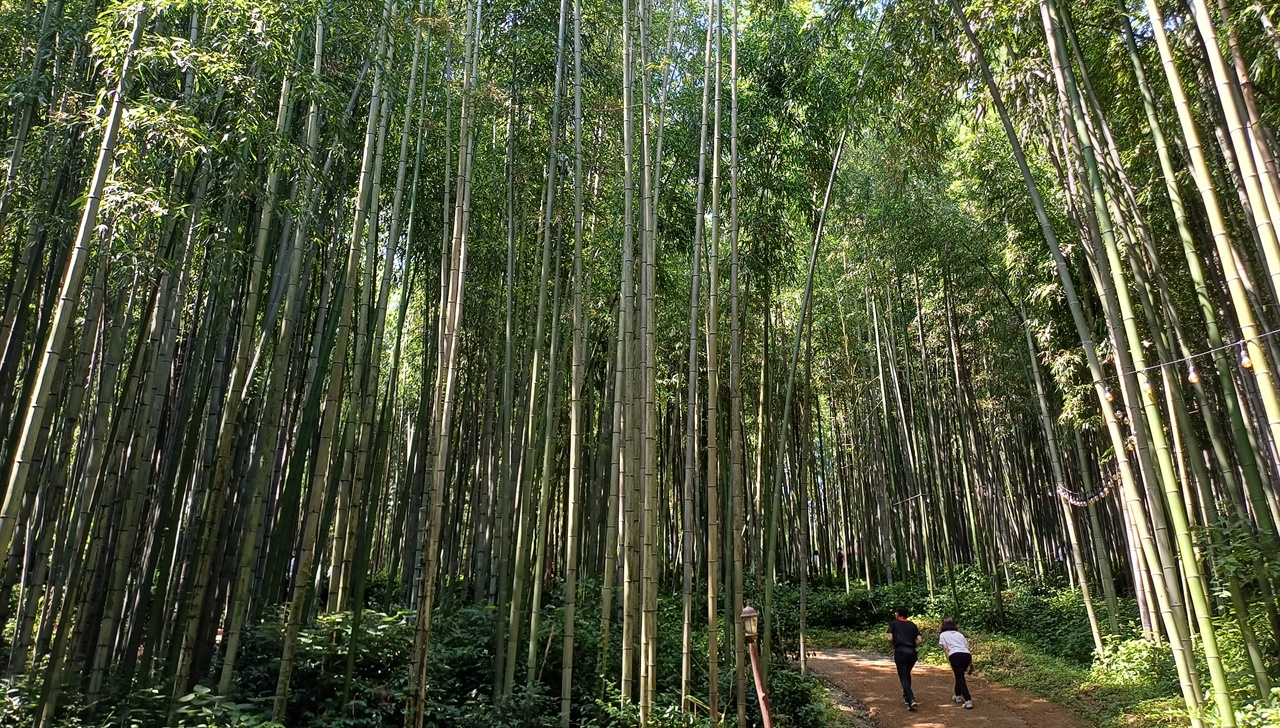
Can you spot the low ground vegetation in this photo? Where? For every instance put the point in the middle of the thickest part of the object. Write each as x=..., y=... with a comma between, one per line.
x=460, y=679
x=1037, y=639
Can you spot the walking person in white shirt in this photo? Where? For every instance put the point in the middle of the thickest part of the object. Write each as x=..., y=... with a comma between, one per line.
x=957, y=648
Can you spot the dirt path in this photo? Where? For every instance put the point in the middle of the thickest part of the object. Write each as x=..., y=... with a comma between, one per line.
x=872, y=679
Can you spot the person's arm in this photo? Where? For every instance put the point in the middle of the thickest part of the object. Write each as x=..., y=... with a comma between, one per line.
x=919, y=639
x=890, y=635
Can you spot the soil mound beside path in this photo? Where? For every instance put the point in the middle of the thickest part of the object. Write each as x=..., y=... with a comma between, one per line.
x=871, y=678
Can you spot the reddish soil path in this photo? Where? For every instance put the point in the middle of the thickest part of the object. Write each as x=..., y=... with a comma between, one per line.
x=872, y=679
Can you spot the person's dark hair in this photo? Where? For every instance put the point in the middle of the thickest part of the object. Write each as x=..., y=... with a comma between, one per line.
x=949, y=625
x=902, y=612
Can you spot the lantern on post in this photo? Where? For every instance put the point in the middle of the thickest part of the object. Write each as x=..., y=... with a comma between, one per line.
x=750, y=623
x=751, y=630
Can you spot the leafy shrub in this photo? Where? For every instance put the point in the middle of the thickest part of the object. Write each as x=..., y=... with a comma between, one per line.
x=201, y=709
x=914, y=596
x=1260, y=713
x=459, y=673
x=614, y=712
x=834, y=609
x=1135, y=663
x=382, y=589
x=839, y=610
x=798, y=701
x=1054, y=622
x=379, y=679
x=20, y=699
x=1044, y=612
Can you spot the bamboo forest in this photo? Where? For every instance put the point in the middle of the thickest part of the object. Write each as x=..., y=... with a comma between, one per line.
x=639, y=363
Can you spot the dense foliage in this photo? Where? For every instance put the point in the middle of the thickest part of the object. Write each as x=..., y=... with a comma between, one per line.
x=377, y=688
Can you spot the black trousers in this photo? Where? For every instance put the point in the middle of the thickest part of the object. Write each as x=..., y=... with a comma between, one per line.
x=905, y=658
x=960, y=661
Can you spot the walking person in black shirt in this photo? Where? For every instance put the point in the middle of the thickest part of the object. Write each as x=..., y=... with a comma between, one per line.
x=905, y=637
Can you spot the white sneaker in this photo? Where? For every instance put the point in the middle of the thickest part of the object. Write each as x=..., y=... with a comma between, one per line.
x=957, y=699
x=968, y=705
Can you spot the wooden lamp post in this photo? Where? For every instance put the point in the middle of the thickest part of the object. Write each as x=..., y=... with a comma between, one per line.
x=751, y=629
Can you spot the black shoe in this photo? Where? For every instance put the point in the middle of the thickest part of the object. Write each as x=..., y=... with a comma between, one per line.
x=911, y=706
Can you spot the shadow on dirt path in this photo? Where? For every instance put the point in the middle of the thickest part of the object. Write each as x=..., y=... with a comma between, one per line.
x=871, y=678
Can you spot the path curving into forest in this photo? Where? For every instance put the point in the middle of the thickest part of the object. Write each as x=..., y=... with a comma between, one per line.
x=871, y=678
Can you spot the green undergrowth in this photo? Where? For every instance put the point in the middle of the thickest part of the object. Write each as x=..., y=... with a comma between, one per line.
x=460, y=678
x=1036, y=639
x=841, y=709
